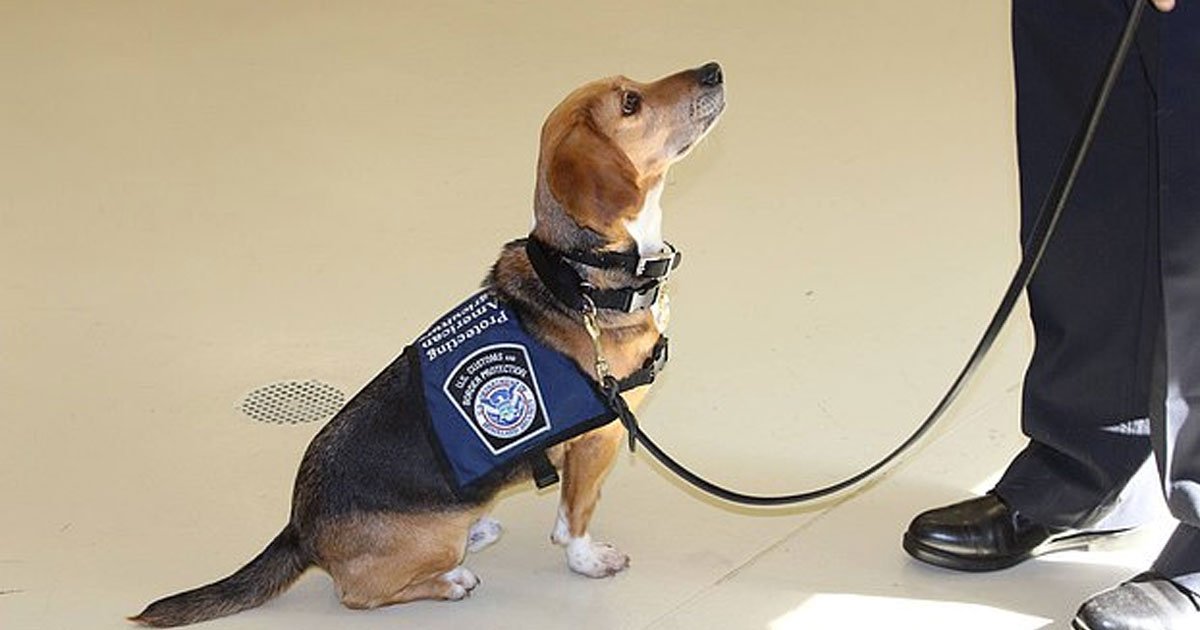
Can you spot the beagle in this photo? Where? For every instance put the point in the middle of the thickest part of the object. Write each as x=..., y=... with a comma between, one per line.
x=373, y=504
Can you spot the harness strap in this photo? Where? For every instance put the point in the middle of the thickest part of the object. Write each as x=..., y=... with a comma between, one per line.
x=629, y=300
x=650, y=369
x=656, y=266
x=566, y=284
x=560, y=278
x=544, y=474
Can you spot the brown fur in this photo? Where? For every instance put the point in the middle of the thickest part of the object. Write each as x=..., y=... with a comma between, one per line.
x=380, y=559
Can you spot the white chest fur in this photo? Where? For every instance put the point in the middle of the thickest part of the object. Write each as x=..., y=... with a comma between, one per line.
x=646, y=230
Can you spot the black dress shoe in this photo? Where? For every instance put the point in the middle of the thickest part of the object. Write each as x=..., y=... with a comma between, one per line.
x=1147, y=602
x=983, y=534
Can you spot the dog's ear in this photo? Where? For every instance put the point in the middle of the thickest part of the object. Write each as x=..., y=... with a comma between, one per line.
x=593, y=179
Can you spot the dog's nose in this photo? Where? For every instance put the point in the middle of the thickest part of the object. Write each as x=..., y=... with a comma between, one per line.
x=710, y=74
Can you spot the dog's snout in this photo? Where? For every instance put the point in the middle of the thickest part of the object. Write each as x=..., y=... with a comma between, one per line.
x=710, y=74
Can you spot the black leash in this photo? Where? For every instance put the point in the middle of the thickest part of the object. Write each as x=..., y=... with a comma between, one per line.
x=1035, y=247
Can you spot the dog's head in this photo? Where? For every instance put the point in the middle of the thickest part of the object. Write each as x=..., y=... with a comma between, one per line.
x=607, y=147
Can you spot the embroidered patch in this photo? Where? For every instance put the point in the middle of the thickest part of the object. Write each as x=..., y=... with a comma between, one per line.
x=496, y=391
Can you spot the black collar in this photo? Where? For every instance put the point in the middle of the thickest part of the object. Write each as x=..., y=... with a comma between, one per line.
x=560, y=277
x=656, y=267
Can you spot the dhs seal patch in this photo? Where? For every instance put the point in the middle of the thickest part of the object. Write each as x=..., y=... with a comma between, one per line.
x=505, y=407
x=496, y=392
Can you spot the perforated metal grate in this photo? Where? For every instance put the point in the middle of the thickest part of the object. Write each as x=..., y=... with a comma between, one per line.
x=293, y=402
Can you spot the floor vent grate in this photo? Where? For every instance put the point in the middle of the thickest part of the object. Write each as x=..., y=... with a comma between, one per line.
x=293, y=402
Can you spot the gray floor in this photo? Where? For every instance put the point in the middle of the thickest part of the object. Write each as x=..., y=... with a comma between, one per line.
x=200, y=198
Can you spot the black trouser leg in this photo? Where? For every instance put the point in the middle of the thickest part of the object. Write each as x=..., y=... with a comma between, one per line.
x=1095, y=300
x=1177, y=420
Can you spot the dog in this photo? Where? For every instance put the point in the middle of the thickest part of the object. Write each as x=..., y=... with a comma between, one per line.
x=373, y=504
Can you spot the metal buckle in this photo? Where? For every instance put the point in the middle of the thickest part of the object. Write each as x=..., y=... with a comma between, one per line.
x=644, y=298
x=662, y=264
x=661, y=357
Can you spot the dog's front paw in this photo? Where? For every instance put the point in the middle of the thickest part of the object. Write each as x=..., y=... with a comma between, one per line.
x=593, y=559
x=462, y=582
x=484, y=532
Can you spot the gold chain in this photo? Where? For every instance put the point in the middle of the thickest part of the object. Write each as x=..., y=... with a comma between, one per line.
x=593, y=330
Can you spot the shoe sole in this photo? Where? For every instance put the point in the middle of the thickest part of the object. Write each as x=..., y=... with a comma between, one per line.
x=946, y=560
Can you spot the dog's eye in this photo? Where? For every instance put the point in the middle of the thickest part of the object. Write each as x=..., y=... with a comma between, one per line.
x=631, y=102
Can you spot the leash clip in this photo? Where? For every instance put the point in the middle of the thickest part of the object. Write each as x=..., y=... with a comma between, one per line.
x=593, y=329
x=608, y=383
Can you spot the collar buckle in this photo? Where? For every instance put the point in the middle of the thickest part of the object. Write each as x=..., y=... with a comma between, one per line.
x=658, y=266
x=643, y=298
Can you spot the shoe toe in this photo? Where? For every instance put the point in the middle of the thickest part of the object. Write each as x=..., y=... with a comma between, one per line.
x=1144, y=603
x=964, y=529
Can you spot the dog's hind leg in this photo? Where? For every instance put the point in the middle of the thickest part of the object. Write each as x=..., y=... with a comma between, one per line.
x=381, y=559
x=452, y=585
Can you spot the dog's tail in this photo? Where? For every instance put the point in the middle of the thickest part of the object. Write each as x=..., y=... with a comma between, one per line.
x=264, y=577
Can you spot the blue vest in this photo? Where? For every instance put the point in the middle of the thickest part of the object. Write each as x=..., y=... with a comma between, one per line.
x=495, y=394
